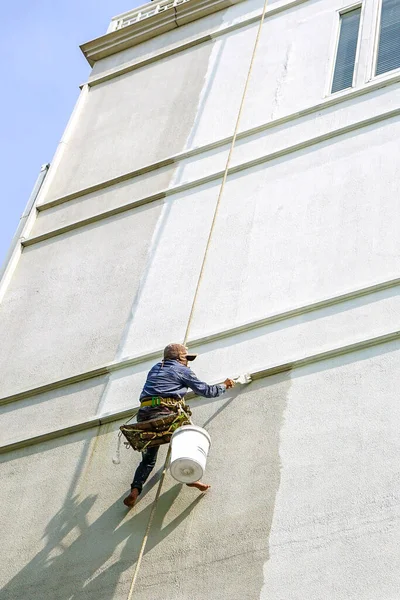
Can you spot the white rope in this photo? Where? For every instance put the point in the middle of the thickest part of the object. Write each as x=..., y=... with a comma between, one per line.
x=146, y=535
x=117, y=456
x=225, y=176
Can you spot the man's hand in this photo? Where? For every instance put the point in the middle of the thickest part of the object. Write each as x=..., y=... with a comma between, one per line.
x=229, y=383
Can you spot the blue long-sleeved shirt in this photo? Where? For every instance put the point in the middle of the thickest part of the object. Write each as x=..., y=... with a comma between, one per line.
x=171, y=379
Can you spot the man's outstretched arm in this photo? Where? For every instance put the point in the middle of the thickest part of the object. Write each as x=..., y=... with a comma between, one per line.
x=203, y=389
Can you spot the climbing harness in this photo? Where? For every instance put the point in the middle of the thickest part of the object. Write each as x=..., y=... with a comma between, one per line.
x=158, y=401
x=221, y=190
x=155, y=432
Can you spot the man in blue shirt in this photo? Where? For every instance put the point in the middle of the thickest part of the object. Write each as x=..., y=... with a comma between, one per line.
x=170, y=379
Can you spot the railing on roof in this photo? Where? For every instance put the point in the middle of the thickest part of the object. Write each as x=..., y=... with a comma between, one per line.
x=142, y=12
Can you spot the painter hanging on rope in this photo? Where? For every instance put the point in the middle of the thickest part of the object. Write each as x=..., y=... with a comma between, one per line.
x=166, y=385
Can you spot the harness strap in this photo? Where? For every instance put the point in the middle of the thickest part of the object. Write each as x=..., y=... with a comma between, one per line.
x=157, y=401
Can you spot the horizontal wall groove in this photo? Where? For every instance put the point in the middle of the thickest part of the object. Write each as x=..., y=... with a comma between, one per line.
x=106, y=184
x=296, y=312
x=83, y=376
x=331, y=135
x=134, y=65
x=192, y=342
x=176, y=158
x=259, y=374
x=93, y=219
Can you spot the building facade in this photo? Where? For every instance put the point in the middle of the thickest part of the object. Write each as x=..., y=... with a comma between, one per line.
x=299, y=287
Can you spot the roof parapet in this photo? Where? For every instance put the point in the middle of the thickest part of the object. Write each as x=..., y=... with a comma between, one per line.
x=142, y=12
x=148, y=21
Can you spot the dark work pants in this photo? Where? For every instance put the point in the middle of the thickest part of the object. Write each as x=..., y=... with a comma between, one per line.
x=149, y=456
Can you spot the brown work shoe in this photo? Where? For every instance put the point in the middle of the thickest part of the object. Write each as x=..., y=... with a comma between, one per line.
x=130, y=500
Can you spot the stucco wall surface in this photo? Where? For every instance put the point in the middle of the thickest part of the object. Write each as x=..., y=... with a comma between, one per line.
x=176, y=258
x=284, y=58
x=303, y=465
x=297, y=230
x=133, y=120
x=284, y=53
x=176, y=103
x=273, y=344
x=90, y=205
x=84, y=528
x=327, y=123
x=303, y=504
x=293, y=61
x=52, y=410
x=66, y=307
x=280, y=225
x=257, y=145
x=336, y=521
x=304, y=227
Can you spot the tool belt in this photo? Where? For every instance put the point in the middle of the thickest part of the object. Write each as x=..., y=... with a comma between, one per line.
x=156, y=432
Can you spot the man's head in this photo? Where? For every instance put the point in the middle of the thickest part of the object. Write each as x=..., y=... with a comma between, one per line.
x=178, y=352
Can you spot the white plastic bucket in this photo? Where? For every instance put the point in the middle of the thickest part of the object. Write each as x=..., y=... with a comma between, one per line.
x=189, y=449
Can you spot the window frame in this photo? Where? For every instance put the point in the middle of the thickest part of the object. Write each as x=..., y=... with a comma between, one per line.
x=376, y=40
x=334, y=47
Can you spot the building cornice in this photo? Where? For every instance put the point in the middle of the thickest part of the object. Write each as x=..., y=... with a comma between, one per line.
x=172, y=16
x=277, y=7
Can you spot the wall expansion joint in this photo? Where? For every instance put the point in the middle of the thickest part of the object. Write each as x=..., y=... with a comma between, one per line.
x=212, y=177
x=176, y=158
x=268, y=371
x=204, y=340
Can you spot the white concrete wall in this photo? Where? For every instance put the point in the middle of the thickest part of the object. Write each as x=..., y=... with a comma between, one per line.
x=301, y=278
x=304, y=499
x=133, y=120
x=70, y=297
x=152, y=119
x=335, y=522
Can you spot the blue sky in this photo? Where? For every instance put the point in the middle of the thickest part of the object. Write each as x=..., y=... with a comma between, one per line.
x=42, y=67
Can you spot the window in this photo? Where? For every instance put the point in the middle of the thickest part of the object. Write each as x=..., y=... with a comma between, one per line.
x=389, y=37
x=346, y=50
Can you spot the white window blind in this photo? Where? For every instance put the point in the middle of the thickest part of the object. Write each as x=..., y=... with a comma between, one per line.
x=346, y=51
x=389, y=37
